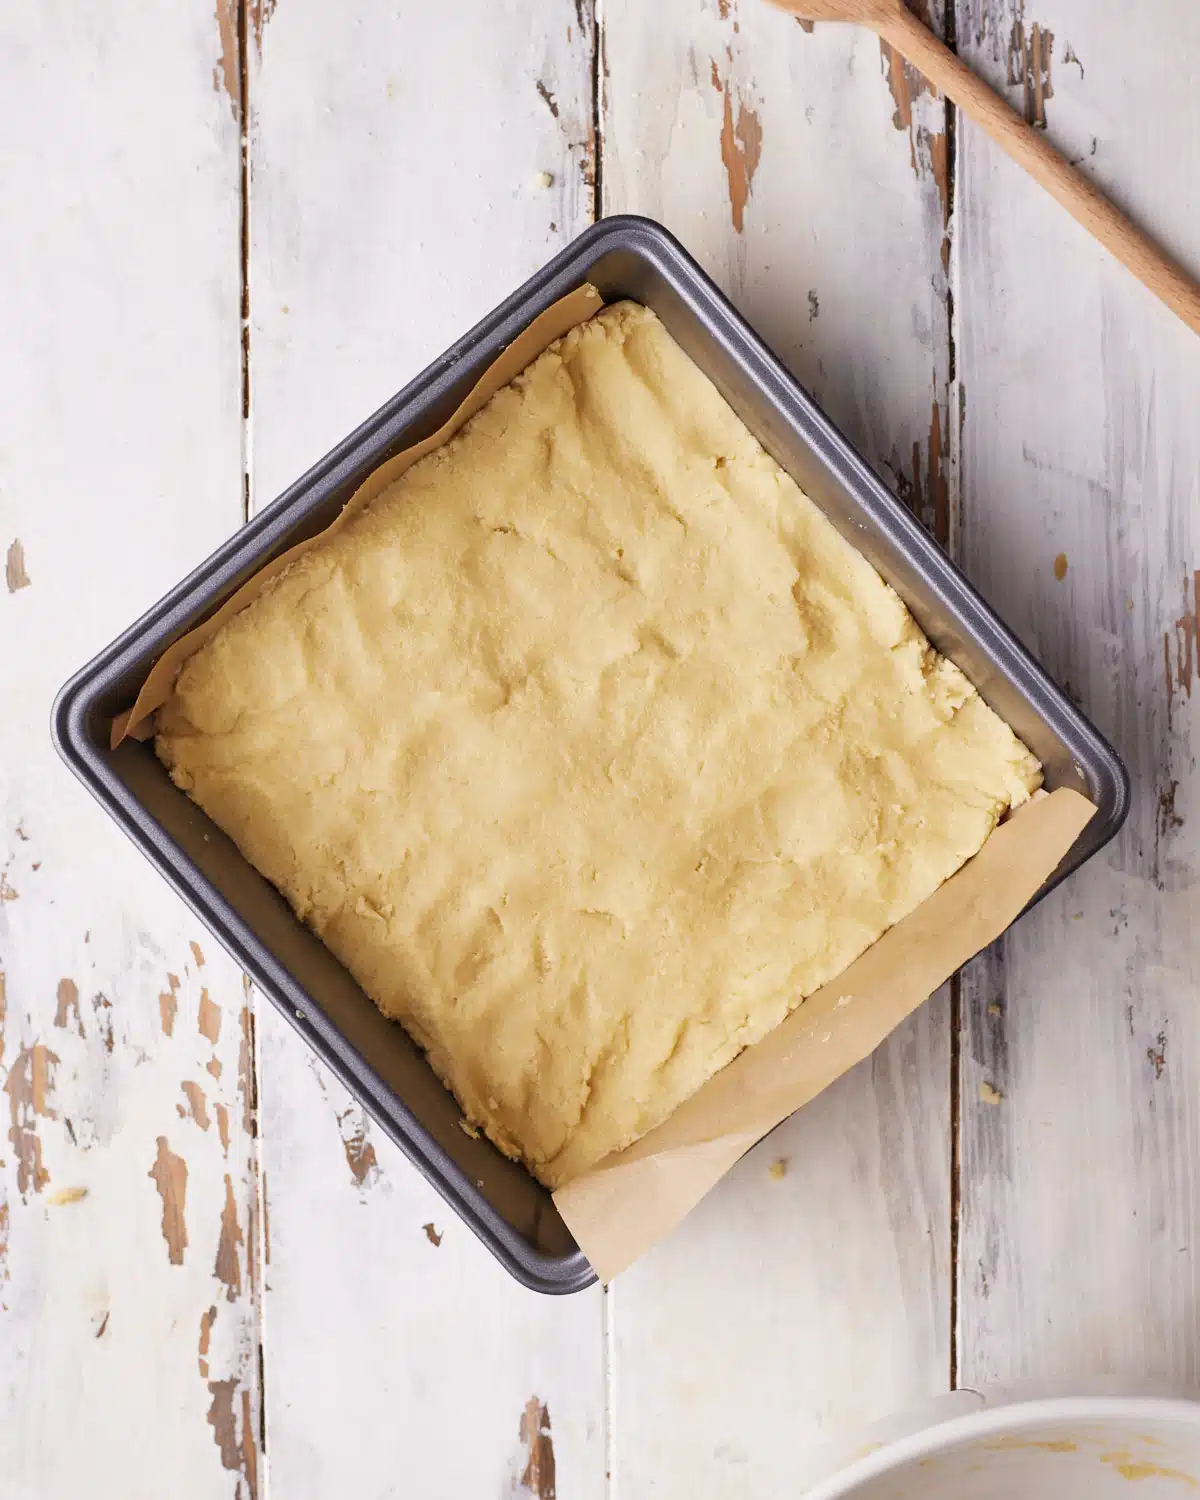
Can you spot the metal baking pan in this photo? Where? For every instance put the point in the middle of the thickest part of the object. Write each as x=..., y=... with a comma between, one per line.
x=373, y=1057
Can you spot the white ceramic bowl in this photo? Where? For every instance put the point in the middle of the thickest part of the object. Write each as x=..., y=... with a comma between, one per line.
x=1062, y=1448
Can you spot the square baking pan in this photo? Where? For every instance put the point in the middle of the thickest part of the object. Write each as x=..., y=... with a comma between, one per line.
x=623, y=257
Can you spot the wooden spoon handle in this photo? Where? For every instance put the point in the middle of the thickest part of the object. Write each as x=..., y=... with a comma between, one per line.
x=1085, y=202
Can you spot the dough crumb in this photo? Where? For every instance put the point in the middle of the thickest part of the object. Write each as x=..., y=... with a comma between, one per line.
x=995, y=1009
x=778, y=1168
x=66, y=1195
x=989, y=1093
x=468, y=1129
x=543, y=180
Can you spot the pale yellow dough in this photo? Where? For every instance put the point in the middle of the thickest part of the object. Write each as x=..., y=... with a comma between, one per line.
x=591, y=748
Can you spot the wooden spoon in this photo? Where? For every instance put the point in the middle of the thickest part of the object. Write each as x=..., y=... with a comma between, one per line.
x=1081, y=198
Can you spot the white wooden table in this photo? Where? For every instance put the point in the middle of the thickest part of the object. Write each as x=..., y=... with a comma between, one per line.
x=226, y=239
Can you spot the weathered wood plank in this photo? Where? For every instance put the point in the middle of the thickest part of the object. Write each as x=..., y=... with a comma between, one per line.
x=408, y=171
x=409, y=168
x=808, y=173
x=1081, y=473
x=807, y=1295
x=128, y=1326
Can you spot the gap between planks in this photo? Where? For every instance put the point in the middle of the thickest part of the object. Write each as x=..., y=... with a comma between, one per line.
x=258, y=1248
x=243, y=46
x=599, y=74
x=954, y=404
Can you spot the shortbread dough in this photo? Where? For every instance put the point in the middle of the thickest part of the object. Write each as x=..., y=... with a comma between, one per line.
x=590, y=747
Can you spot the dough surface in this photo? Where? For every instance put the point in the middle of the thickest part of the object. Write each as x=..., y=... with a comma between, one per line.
x=590, y=747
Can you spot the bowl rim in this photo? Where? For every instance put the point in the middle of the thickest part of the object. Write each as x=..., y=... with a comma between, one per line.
x=1033, y=1415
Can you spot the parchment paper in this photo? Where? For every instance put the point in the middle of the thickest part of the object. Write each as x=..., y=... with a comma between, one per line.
x=620, y=1208
x=634, y=1197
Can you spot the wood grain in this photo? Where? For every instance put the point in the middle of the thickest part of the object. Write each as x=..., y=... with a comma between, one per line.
x=409, y=168
x=1081, y=471
x=908, y=35
x=833, y=156
x=1070, y=188
x=127, y=1367
x=808, y=174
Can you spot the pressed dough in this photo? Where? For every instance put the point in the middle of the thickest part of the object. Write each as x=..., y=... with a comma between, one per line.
x=590, y=747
